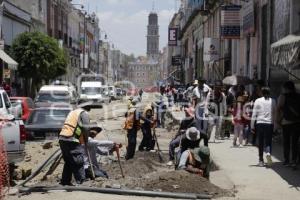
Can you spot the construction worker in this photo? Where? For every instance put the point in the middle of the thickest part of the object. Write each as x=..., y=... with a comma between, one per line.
x=147, y=122
x=74, y=133
x=101, y=147
x=132, y=125
x=196, y=161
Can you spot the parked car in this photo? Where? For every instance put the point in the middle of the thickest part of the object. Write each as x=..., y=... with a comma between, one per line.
x=12, y=129
x=56, y=94
x=46, y=122
x=26, y=104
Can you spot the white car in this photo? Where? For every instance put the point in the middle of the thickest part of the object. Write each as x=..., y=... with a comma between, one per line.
x=12, y=130
x=58, y=94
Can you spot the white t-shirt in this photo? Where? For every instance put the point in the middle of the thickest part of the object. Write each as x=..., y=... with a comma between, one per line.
x=263, y=111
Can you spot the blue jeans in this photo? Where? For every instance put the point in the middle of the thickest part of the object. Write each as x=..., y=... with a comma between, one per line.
x=201, y=122
x=264, y=132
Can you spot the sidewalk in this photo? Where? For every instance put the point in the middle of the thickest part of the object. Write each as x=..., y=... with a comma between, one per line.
x=239, y=170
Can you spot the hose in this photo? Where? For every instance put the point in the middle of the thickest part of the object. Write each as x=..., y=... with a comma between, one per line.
x=54, y=156
x=173, y=195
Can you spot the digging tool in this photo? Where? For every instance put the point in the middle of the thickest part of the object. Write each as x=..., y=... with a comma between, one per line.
x=161, y=159
x=90, y=161
x=119, y=161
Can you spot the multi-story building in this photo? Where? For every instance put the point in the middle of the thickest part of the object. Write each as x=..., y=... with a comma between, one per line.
x=38, y=11
x=145, y=72
x=13, y=22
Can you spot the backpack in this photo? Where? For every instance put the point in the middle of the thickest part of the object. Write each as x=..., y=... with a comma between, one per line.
x=291, y=108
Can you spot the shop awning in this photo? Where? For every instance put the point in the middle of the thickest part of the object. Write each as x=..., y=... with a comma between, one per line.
x=286, y=52
x=7, y=59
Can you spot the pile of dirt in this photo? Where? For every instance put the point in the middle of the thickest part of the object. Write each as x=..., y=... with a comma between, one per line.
x=182, y=181
x=143, y=163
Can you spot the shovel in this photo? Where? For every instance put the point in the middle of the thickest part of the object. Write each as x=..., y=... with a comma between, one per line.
x=119, y=161
x=161, y=159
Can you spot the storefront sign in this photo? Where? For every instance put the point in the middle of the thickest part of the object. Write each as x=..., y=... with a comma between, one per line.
x=173, y=36
x=248, y=18
x=231, y=22
x=211, y=49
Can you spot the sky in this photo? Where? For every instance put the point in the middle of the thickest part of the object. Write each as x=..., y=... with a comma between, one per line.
x=125, y=21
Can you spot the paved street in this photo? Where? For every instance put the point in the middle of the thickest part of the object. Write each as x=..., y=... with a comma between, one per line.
x=238, y=167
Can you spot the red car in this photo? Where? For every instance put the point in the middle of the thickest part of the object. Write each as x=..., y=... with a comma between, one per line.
x=26, y=103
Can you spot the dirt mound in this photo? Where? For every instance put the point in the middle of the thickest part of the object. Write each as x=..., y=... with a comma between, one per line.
x=182, y=181
x=143, y=163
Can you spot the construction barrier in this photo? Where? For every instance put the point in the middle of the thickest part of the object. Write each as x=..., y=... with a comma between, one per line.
x=4, y=168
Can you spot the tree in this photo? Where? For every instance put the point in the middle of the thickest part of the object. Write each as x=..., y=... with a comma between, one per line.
x=40, y=58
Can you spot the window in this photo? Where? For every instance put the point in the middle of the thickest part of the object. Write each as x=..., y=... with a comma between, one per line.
x=6, y=100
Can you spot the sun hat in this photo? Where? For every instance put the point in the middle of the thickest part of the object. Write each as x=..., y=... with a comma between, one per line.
x=201, y=154
x=196, y=82
x=192, y=134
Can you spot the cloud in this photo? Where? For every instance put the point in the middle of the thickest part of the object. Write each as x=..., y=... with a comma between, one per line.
x=128, y=30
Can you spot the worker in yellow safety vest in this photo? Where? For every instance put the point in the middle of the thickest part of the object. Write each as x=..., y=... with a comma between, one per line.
x=74, y=133
x=131, y=125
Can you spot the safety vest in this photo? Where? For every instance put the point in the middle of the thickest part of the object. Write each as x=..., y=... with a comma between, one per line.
x=131, y=120
x=71, y=127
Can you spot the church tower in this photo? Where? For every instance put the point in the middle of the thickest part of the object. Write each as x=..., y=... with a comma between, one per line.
x=153, y=37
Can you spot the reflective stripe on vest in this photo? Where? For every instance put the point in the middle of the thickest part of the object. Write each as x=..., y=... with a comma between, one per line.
x=70, y=128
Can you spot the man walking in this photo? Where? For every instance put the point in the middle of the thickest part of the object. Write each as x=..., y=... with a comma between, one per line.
x=199, y=103
x=74, y=133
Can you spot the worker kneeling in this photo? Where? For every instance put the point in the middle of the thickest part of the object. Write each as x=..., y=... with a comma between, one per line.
x=196, y=161
x=100, y=147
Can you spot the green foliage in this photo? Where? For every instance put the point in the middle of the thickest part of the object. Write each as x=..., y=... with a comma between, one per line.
x=39, y=56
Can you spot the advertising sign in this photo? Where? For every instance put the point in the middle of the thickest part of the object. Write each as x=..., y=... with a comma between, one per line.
x=248, y=18
x=173, y=36
x=231, y=22
x=211, y=49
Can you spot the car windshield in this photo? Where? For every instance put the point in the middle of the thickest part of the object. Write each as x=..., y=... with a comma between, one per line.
x=48, y=116
x=91, y=90
x=53, y=97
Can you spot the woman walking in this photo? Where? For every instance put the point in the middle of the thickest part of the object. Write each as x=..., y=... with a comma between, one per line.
x=264, y=116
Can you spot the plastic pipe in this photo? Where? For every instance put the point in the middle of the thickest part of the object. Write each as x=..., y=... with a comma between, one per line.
x=117, y=192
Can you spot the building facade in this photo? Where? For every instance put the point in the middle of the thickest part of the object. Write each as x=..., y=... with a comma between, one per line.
x=262, y=23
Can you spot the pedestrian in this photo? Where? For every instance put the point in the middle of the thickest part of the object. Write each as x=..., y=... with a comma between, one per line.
x=288, y=116
x=238, y=121
x=262, y=123
x=141, y=94
x=196, y=161
x=97, y=147
x=187, y=122
x=217, y=109
x=255, y=95
x=73, y=134
x=131, y=125
x=200, y=104
x=147, y=123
